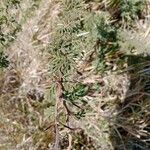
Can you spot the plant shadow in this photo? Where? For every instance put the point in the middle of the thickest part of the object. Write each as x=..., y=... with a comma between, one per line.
x=130, y=129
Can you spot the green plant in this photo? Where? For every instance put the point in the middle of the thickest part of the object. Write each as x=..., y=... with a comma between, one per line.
x=131, y=10
x=9, y=24
x=12, y=3
x=79, y=90
x=126, y=10
x=3, y=60
x=86, y=99
x=107, y=40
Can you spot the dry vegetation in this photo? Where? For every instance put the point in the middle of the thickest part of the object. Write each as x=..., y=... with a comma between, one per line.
x=74, y=75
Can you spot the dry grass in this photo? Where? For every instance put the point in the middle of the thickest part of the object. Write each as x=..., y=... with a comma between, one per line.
x=117, y=107
x=25, y=81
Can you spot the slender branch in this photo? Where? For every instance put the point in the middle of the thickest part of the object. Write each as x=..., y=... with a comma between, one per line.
x=57, y=107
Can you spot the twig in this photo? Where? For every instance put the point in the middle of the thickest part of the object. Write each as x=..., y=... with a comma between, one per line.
x=70, y=142
x=56, y=146
x=60, y=102
x=70, y=128
x=57, y=107
x=50, y=126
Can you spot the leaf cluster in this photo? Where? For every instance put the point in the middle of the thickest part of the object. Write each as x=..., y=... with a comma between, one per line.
x=3, y=60
x=9, y=26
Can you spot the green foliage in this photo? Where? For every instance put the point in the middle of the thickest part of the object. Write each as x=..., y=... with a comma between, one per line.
x=80, y=114
x=3, y=60
x=76, y=98
x=9, y=25
x=107, y=41
x=126, y=10
x=66, y=44
x=75, y=33
x=79, y=91
x=10, y=3
x=130, y=10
